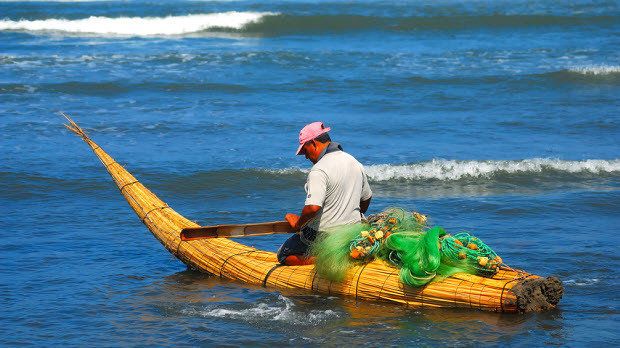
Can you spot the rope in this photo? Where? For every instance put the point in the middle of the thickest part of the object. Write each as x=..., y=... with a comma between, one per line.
x=269, y=273
x=127, y=184
x=152, y=210
x=231, y=256
x=357, y=283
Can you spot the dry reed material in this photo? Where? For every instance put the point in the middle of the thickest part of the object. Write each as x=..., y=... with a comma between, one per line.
x=375, y=280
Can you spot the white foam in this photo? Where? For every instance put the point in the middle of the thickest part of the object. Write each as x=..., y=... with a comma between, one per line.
x=596, y=69
x=440, y=169
x=263, y=311
x=581, y=282
x=455, y=170
x=139, y=26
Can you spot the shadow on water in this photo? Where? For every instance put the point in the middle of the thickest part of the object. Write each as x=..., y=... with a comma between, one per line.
x=192, y=299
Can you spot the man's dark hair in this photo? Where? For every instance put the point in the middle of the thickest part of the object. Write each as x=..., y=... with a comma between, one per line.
x=323, y=138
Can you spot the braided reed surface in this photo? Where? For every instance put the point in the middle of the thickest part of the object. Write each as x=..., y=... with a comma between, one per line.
x=228, y=259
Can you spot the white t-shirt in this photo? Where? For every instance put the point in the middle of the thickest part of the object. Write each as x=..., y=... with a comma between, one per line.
x=337, y=183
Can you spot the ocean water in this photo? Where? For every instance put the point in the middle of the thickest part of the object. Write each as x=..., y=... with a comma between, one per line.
x=496, y=117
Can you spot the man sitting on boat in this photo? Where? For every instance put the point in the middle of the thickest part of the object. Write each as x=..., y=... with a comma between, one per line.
x=337, y=193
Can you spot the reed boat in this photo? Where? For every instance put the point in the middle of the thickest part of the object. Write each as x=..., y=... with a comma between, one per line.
x=509, y=290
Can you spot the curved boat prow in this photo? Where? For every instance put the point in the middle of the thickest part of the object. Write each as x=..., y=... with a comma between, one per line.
x=165, y=223
x=508, y=290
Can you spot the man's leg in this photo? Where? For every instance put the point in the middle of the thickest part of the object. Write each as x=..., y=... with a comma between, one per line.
x=293, y=251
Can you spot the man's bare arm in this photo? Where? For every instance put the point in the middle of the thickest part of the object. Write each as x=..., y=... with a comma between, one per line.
x=307, y=213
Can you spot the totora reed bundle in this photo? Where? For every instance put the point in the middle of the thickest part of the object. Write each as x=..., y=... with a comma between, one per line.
x=508, y=290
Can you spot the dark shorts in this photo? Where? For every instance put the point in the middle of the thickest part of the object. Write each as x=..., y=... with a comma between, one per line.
x=297, y=244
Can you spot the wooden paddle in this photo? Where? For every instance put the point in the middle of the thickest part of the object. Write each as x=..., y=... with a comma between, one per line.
x=228, y=231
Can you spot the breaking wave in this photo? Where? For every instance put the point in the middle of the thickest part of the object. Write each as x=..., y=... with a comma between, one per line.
x=139, y=26
x=270, y=23
x=606, y=74
x=433, y=176
x=597, y=70
x=456, y=170
x=451, y=170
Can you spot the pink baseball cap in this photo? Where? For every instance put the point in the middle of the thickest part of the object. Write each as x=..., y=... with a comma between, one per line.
x=309, y=132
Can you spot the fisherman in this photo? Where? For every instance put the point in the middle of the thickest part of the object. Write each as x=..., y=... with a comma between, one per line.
x=337, y=193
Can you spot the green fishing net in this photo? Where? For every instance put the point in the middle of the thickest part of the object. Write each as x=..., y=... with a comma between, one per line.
x=405, y=240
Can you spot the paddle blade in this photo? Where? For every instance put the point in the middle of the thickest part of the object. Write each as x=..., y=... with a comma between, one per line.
x=228, y=231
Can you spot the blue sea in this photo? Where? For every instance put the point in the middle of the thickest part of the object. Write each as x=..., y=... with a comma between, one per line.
x=501, y=118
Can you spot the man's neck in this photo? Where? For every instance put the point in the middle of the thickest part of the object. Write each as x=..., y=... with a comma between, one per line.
x=329, y=147
x=321, y=149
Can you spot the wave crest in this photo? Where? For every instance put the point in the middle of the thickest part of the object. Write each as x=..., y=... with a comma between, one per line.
x=140, y=26
x=452, y=170
x=270, y=23
x=432, y=178
x=597, y=70
x=456, y=170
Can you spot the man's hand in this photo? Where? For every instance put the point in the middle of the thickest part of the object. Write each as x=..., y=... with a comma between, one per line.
x=307, y=214
x=292, y=219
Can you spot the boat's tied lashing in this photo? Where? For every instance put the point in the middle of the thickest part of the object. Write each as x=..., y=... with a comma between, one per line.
x=404, y=239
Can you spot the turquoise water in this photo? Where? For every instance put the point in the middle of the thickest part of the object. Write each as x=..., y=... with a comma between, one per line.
x=496, y=117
